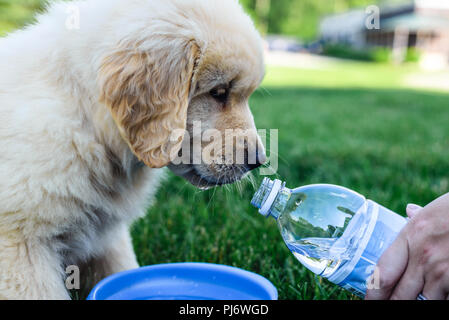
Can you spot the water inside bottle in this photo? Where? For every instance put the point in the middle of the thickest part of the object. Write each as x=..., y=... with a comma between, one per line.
x=319, y=254
x=313, y=227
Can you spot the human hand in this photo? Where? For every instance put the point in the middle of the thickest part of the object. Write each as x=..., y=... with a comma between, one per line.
x=418, y=260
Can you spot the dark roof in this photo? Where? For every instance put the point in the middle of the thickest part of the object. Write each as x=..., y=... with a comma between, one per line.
x=415, y=22
x=392, y=11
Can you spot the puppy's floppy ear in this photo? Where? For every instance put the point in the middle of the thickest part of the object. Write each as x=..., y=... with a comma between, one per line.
x=147, y=92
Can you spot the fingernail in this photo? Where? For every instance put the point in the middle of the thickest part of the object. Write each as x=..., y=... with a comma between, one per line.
x=413, y=207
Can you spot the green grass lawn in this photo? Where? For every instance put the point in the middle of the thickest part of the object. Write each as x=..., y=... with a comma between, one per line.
x=352, y=125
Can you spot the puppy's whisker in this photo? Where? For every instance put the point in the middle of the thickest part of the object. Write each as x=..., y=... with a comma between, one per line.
x=266, y=90
x=239, y=184
x=212, y=197
x=250, y=178
x=276, y=154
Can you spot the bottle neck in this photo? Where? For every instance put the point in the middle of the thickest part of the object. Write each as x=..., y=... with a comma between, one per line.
x=280, y=202
x=271, y=198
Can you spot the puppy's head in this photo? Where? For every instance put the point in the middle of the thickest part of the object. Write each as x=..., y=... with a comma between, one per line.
x=179, y=94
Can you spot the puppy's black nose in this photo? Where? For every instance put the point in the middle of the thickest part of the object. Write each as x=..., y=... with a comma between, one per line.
x=257, y=163
x=253, y=166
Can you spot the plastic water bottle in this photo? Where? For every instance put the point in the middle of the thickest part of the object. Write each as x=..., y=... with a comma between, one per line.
x=333, y=231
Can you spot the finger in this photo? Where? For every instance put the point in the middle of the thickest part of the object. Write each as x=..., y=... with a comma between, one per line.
x=410, y=285
x=412, y=210
x=391, y=266
x=434, y=291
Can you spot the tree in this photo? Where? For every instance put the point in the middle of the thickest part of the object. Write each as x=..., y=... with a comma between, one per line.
x=16, y=13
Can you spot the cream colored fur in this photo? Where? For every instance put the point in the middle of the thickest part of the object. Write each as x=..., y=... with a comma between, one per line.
x=85, y=120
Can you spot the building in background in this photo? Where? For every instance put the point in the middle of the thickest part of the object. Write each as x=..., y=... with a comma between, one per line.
x=422, y=24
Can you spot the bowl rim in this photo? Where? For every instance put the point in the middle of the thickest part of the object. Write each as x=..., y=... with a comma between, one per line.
x=257, y=279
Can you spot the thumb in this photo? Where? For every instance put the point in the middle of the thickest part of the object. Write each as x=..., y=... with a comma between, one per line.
x=412, y=210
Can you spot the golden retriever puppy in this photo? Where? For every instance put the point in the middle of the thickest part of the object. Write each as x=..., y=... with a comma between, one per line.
x=95, y=99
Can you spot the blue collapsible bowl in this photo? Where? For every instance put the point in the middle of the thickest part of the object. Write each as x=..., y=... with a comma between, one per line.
x=185, y=281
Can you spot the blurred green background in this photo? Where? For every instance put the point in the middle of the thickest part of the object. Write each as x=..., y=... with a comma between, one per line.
x=368, y=126
x=16, y=13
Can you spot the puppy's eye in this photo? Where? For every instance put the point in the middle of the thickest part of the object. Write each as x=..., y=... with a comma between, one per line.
x=220, y=94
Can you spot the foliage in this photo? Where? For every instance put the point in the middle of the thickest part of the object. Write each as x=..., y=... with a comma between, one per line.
x=377, y=54
x=345, y=52
x=17, y=13
x=413, y=55
x=381, y=54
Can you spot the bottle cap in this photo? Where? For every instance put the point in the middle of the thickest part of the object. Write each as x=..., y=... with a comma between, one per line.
x=265, y=196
